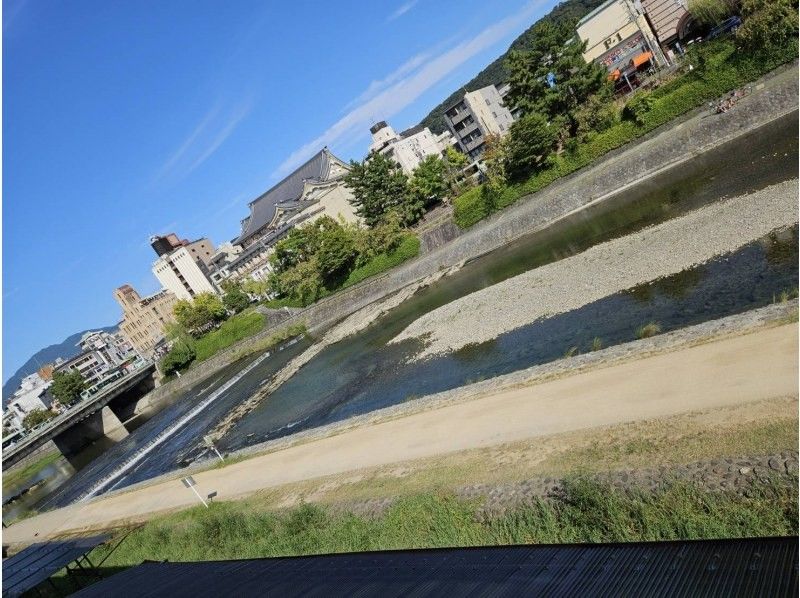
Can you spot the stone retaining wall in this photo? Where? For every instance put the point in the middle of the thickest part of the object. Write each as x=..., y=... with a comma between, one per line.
x=662, y=149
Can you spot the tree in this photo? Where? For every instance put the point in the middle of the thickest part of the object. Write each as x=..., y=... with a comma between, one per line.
x=67, y=386
x=258, y=288
x=379, y=187
x=178, y=358
x=302, y=282
x=551, y=77
x=235, y=299
x=429, y=181
x=494, y=157
x=711, y=12
x=336, y=251
x=205, y=309
x=455, y=163
x=36, y=417
x=768, y=24
x=531, y=139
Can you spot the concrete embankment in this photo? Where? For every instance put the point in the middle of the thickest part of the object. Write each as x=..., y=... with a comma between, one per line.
x=666, y=147
x=605, y=269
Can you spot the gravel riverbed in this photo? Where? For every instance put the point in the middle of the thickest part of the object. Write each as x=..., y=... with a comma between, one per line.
x=605, y=269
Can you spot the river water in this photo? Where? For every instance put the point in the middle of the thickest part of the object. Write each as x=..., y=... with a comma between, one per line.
x=363, y=373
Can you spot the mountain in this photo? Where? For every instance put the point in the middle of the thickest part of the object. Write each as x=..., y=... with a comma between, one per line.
x=66, y=349
x=571, y=10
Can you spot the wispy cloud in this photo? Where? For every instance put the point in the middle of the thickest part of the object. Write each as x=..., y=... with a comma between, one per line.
x=403, y=9
x=405, y=85
x=375, y=87
x=206, y=137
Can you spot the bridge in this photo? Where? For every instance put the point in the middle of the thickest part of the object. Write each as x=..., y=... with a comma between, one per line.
x=89, y=420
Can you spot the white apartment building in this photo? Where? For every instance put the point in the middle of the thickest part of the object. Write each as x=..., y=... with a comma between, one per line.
x=408, y=148
x=30, y=395
x=477, y=115
x=183, y=269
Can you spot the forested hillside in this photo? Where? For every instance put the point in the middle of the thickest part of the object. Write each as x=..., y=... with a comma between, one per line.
x=495, y=73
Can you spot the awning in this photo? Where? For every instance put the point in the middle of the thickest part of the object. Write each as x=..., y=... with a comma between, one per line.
x=614, y=75
x=642, y=58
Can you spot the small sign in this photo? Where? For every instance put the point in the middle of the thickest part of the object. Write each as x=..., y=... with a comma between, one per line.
x=188, y=481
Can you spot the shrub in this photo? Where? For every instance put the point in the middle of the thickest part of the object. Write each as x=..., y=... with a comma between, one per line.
x=178, y=358
x=638, y=107
x=407, y=249
x=648, y=330
x=36, y=417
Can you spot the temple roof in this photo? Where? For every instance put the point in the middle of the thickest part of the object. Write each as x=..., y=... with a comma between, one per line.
x=286, y=192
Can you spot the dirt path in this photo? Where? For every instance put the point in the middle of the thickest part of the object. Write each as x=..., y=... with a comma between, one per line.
x=722, y=373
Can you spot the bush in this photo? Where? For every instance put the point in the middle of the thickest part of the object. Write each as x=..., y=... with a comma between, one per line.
x=235, y=329
x=36, y=417
x=407, y=249
x=648, y=330
x=178, y=358
x=638, y=107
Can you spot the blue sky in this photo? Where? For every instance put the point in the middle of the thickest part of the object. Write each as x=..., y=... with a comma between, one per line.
x=127, y=119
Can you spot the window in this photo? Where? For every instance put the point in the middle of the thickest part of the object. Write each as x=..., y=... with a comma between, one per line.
x=494, y=114
x=488, y=103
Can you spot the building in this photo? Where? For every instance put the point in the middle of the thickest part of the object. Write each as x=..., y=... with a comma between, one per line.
x=408, y=148
x=670, y=20
x=104, y=358
x=313, y=190
x=182, y=266
x=477, y=115
x=619, y=37
x=143, y=318
x=31, y=395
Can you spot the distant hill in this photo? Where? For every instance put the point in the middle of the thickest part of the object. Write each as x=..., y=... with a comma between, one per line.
x=571, y=10
x=66, y=349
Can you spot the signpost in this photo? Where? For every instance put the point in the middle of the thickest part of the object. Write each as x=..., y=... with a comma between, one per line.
x=189, y=482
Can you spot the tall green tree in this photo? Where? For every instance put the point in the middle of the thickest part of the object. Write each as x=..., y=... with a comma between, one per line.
x=206, y=308
x=379, y=187
x=711, y=12
x=429, y=181
x=551, y=77
x=235, y=299
x=67, y=386
x=530, y=141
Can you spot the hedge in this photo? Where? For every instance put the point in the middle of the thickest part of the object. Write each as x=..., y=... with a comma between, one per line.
x=726, y=69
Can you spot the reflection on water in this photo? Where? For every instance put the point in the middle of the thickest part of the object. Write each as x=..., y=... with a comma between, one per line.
x=362, y=373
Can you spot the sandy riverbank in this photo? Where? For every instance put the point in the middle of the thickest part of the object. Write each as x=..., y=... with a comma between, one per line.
x=605, y=269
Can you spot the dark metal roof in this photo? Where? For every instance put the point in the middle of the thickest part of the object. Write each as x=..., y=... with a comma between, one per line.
x=30, y=567
x=262, y=209
x=724, y=568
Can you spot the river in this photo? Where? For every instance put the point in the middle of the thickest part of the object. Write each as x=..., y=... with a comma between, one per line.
x=363, y=373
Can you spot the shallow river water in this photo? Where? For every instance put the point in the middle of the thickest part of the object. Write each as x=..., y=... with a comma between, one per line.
x=363, y=373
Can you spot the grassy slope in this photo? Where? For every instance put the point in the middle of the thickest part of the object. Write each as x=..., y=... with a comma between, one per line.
x=726, y=69
x=234, y=329
x=15, y=476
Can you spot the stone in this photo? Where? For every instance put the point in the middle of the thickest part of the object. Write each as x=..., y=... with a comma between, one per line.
x=745, y=470
x=776, y=464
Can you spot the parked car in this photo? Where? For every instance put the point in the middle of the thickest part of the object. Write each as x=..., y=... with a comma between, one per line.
x=729, y=25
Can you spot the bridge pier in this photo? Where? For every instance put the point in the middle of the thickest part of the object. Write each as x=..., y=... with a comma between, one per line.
x=101, y=424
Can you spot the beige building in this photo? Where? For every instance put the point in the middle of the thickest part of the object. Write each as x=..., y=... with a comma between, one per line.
x=314, y=190
x=477, y=115
x=617, y=35
x=183, y=266
x=143, y=318
x=670, y=20
x=408, y=148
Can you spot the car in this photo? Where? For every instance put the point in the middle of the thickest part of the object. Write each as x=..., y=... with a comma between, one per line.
x=729, y=25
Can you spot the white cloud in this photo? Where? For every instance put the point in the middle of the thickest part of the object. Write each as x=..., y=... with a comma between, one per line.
x=402, y=10
x=405, y=87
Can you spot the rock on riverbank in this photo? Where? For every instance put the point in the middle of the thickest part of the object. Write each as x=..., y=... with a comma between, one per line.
x=605, y=269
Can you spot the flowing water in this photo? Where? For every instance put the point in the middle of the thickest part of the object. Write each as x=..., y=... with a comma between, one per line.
x=363, y=373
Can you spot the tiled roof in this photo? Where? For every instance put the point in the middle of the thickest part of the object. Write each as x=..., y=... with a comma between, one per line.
x=262, y=209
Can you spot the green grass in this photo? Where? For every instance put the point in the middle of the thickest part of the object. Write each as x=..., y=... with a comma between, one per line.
x=407, y=249
x=16, y=476
x=285, y=302
x=588, y=511
x=274, y=339
x=726, y=69
x=231, y=331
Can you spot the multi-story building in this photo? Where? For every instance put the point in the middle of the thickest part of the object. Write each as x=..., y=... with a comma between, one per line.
x=182, y=266
x=477, y=115
x=619, y=37
x=314, y=190
x=104, y=358
x=670, y=20
x=31, y=395
x=408, y=148
x=143, y=318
